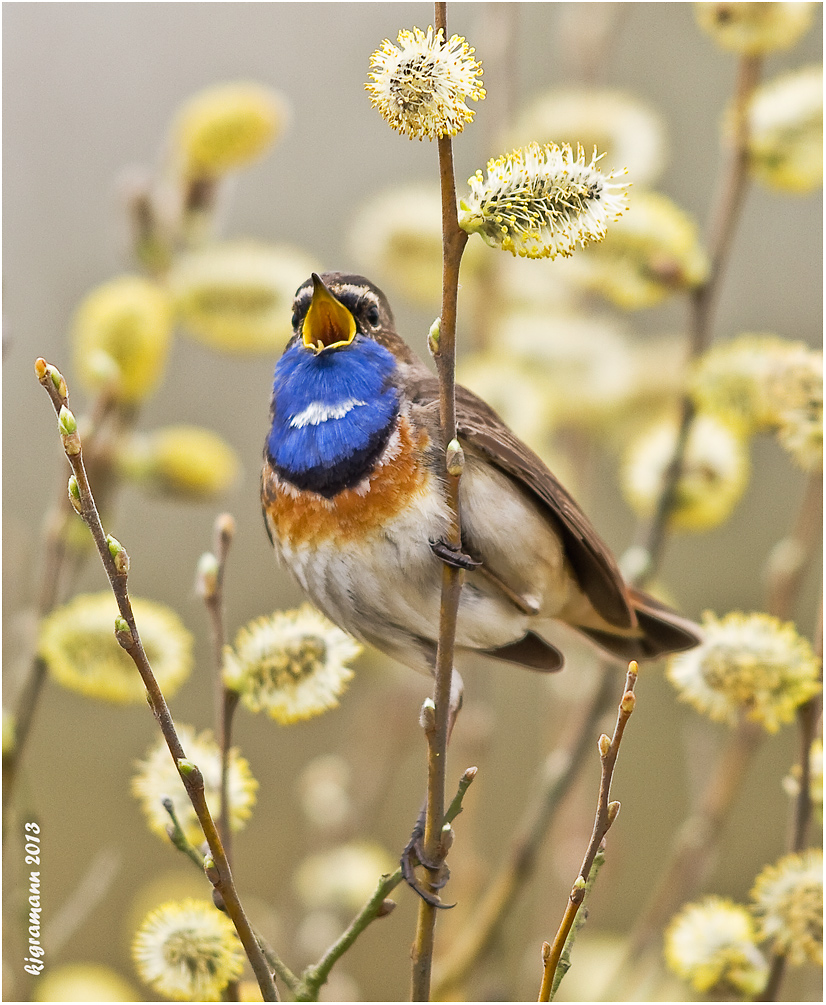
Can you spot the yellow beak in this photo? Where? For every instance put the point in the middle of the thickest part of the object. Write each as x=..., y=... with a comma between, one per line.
x=328, y=323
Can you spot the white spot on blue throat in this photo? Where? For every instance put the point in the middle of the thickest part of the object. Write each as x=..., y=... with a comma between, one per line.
x=320, y=411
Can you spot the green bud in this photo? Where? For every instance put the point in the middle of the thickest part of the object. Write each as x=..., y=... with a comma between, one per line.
x=580, y=883
x=187, y=768
x=123, y=633
x=58, y=381
x=66, y=421
x=74, y=494
x=119, y=555
x=211, y=870
x=434, y=336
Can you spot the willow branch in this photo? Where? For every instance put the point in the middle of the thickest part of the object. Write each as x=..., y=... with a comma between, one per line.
x=564, y=964
x=791, y=558
x=211, y=587
x=724, y=217
x=378, y=906
x=453, y=244
x=116, y=563
x=698, y=836
x=807, y=719
x=606, y=814
x=54, y=571
x=178, y=838
x=557, y=776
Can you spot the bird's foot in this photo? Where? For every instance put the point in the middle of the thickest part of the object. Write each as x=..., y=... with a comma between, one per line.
x=453, y=556
x=414, y=855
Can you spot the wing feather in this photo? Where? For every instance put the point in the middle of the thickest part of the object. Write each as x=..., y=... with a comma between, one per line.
x=591, y=560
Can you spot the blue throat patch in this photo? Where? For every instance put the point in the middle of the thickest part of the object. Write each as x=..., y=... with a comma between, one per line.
x=332, y=414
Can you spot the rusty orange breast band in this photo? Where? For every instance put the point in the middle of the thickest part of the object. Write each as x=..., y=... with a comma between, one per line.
x=299, y=517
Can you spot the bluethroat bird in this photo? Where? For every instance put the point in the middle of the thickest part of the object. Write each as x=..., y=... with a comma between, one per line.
x=354, y=502
x=353, y=493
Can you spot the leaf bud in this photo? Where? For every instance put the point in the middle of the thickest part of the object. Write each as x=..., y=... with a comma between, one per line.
x=454, y=458
x=74, y=494
x=427, y=716
x=119, y=555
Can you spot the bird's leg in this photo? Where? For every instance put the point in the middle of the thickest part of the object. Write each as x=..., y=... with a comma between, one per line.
x=414, y=853
x=453, y=556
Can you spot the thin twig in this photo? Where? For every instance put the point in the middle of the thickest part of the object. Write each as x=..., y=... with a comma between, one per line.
x=558, y=774
x=791, y=558
x=605, y=816
x=807, y=719
x=211, y=586
x=90, y=890
x=724, y=217
x=116, y=564
x=183, y=844
x=564, y=964
x=378, y=906
x=698, y=834
x=697, y=838
x=453, y=243
x=56, y=555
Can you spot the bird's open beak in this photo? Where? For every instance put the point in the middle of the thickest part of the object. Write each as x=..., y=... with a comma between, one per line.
x=328, y=323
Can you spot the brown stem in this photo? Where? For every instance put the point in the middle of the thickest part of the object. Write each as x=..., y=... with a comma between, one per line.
x=55, y=567
x=699, y=834
x=807, y=718
x=724, y=217
x=453, y=244
x=116, y=571
x=792, y=557
x=226, y=701
x=489, y=916
x=605, y=815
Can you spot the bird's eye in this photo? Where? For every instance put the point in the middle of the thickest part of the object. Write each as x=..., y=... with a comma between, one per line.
x=372, y=315
x=295, y=319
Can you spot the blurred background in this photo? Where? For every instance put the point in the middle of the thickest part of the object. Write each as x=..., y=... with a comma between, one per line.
x=89, y=93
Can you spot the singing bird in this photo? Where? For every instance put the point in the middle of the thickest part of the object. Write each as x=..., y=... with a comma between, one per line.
x=353, y=491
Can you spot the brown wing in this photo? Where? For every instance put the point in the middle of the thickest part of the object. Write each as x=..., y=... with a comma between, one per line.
x=592, y=562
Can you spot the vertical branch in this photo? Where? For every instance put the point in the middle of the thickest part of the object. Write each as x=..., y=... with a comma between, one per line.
x=605, y=816
x=557, y=776
x=723, y=221
x=212, y=589
x=698, y=836
x=807, y=719
x=453, y=243
x=56, y=574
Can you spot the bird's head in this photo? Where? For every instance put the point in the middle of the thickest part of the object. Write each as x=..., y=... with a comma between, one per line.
x=331, y=310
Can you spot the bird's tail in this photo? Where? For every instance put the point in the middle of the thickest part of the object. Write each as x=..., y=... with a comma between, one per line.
x=661, y=631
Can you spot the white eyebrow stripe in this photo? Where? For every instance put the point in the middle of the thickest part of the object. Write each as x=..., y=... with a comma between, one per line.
x=319, y=411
